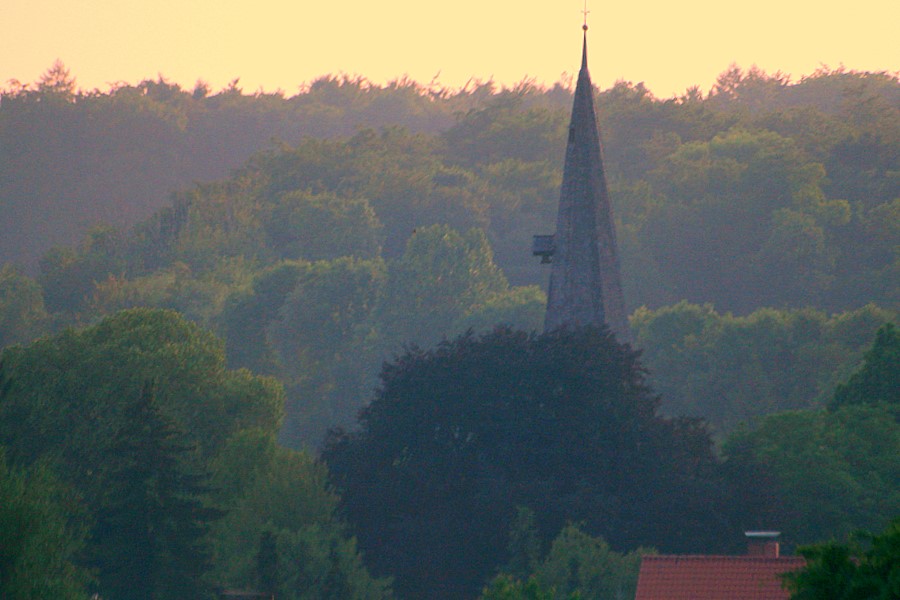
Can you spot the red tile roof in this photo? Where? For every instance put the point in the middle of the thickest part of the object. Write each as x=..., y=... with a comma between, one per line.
x=714, y=577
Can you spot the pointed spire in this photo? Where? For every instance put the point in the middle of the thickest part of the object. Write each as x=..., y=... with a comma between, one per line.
x=584, y=52
x=585, y=284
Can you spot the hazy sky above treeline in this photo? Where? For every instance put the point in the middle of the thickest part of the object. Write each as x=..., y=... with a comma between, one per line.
x=281, y=44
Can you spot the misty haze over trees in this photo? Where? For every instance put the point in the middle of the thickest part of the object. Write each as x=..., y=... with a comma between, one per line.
x=197, y=286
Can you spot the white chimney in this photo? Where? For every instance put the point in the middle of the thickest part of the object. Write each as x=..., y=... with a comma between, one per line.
x=763, y=543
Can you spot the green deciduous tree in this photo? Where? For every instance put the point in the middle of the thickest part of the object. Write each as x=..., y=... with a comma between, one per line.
x=577, y=566
x=68, y=276
x=317, y=563
x=834, y=471
x=442, y=276
x=324, y=340
x=507, y=129
x=282, y=533
x=722, y=195
x=79, y=401
x=521, y=308
x=586, y=567
x=504, y=587
x=868, y=568
x=199, y=296
x=323, y=227
x=878, y=379
x=42, y=536
x=794, y=261
x=68, y=392
x=730, y=369
x=216, y=220
x=247, y=315
x=22, y=313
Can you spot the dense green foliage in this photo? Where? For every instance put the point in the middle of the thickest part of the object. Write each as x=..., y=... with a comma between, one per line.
x=878, y=379
x=576, y=566
x=152, y=520
x=114, y=156
x=67, y=394
x=868, y=568
x=584, y=565
x=322, y=327
x=753, y=195
x=167, y=454
x=837, y=470
x=320, y=339
x=441, y=278
x=397, y=215
x=833, y=471
x=761, y=193
x=41, y=537
x=457, y=437
x=731, y=369
x=279, y=502
x=22, y=313
x=506, y=588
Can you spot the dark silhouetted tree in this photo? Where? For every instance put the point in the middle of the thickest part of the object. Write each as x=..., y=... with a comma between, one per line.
x=457, y=437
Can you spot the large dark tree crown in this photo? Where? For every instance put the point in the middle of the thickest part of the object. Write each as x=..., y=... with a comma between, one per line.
x=459, y=435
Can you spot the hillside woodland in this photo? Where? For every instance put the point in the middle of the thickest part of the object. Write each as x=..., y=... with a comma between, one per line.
x=404, y=214
x=289, y=342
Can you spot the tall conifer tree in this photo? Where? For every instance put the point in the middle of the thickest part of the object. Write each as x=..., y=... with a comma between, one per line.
x=150, y=530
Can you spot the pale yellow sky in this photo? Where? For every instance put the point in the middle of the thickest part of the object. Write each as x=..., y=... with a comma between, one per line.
x=278, y=44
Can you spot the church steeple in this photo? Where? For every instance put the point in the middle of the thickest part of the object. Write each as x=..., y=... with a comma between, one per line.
x=585, y=284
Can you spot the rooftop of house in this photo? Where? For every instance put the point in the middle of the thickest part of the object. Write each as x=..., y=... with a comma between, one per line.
x=689, y=577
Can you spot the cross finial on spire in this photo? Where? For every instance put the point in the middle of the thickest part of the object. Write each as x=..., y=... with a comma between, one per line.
x=585, y=13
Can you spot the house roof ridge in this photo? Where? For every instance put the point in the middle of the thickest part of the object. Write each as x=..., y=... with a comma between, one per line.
x=735, y=557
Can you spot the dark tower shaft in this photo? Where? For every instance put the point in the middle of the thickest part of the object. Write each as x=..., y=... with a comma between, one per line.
x=585, y=284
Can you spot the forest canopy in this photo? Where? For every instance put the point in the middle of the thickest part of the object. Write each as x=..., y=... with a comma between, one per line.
x=749, y=196
x=196, y=287
x=130, y=457
x=405, y=215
